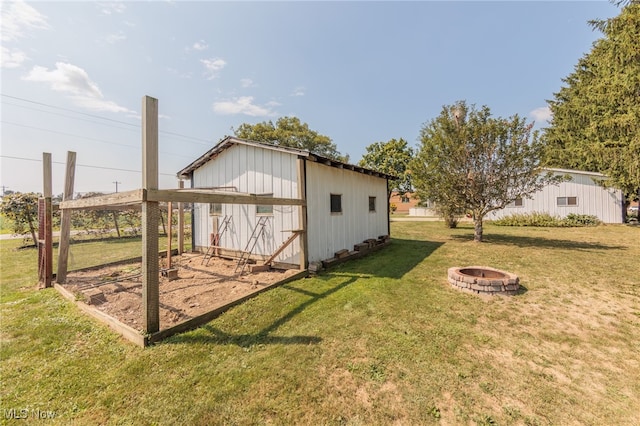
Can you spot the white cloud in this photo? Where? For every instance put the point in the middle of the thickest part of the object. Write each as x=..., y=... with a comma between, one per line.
x=213, y=66
x=246, y=82
x=112, y=7
x=114, y=38
x=298, y=91
x=541, y=114
x=75, y=82
x=200, y=45
x=12, y=58
x=242, y=105
x=18, y=19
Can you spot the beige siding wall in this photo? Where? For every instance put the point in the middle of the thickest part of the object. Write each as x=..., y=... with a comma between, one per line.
x=330, y=232
x=251, y=170
x=592, y=199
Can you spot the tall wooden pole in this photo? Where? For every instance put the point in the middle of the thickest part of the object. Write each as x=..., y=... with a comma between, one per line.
x=180, y=222
x=65, y=219
x=150, y=211
x=302, y=215
x=48, y=219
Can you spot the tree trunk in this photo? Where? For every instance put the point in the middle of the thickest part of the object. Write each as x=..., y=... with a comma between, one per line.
x=32, y=229
x=477, y=235
x=115, y=222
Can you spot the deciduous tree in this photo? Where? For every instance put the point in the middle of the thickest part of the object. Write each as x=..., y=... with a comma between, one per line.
x=290, y=132
x=22, y=209
x=391, y=157
x=469, y=160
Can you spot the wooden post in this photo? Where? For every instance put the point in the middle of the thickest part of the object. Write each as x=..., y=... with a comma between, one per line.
x=48, y=220
x=150, y=211
x=302, y=215
x=169, y=232
x=180, y=222
x=65, y=219
x=48, y=226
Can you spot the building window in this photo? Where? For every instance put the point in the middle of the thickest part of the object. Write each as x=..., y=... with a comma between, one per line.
x=567, y=201
x=264, y=210
x=404, y=199
x=215, y=209
x=516, y=203
x=336, y=203
x=372, y=204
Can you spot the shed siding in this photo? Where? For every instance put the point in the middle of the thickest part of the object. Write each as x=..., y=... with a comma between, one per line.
x=329, y=232
x=251, y=170
x=592, y=199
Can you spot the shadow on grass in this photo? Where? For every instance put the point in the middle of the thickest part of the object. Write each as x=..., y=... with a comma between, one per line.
x=216, y=336
x=393, y=261
x=522, y=241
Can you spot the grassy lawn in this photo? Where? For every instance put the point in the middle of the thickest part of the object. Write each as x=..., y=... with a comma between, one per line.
x=379, y=340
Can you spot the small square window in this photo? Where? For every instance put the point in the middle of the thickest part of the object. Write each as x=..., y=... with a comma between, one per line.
x=264, y=210
x=516, y=203
x=336, y=203
x=372, y=204
x=404, y=199
x=215, y=209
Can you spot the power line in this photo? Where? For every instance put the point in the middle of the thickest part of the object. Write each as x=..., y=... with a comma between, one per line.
x=132, y=129
x=67, y=134
x=199, y=141
x=83, y=137
x=83, y=165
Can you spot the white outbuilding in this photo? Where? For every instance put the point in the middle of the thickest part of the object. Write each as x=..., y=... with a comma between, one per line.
x=314, y=206
x=583, y=194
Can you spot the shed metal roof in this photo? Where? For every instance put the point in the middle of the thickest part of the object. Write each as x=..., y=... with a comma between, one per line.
x=308, y=155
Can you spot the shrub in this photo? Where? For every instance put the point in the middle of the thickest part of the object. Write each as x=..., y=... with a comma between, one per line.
x=529, y=219
x=581, y=220
x=546, y=220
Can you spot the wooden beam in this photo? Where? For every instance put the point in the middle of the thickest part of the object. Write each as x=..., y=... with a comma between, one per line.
x=283, y=246
x=180, y=222
x=135, y=196
x=65, y=219
x=302, y=213
x=204, y=196
x=150, y=211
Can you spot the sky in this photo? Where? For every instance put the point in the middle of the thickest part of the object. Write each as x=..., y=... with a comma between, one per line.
x=73, y=74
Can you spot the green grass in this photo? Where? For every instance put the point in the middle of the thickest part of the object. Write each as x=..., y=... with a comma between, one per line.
x=380, y=340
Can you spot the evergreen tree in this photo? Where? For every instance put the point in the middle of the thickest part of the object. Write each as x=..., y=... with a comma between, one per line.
x=596, y=114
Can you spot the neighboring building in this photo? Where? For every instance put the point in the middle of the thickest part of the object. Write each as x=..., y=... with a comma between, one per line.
x=403, y=202
x=581, y=195
x=346, y=204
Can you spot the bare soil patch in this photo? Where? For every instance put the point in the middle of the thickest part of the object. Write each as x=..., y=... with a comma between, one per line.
x=200, y=288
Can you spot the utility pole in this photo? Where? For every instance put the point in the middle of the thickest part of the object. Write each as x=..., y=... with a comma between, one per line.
x=116, y=182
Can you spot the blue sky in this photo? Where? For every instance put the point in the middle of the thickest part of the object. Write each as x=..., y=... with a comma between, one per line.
x=74, y=74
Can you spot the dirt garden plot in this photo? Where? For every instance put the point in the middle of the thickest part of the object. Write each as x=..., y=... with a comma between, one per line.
x=199, y=288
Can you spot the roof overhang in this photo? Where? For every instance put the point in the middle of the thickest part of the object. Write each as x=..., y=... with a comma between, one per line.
x=307, y=155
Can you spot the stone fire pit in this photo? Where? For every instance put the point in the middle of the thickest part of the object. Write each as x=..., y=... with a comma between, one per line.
x=483, y=280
